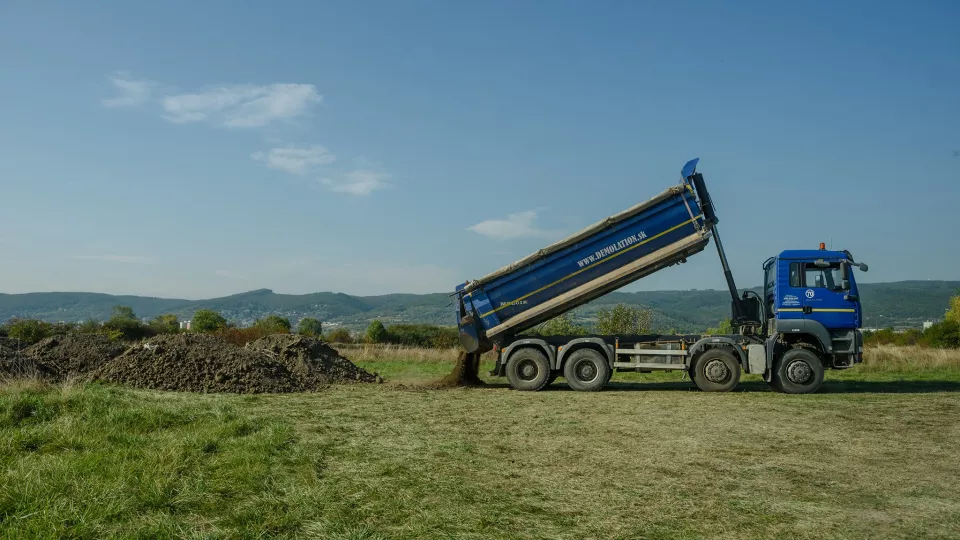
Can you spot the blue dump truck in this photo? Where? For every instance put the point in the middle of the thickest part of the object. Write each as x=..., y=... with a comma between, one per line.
x=808, y=318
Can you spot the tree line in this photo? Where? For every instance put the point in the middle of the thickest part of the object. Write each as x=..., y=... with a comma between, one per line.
x=621, y=319
x=124, y=325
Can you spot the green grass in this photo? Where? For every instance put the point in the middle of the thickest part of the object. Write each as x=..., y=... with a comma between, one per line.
x=874, y=455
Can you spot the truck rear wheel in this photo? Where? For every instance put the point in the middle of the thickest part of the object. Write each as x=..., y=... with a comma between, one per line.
x=586, y=370
x=798, y=371
x=528, y=369
x=716, y=370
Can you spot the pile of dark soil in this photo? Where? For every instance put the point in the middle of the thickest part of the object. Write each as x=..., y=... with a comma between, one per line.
x=8, y=348
x=312, y=360
x=73, y=355
x=204, y=363
x=14, y=363
x=466, y=372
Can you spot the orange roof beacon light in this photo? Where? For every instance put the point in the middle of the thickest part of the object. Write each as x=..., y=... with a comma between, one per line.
x=823, y=246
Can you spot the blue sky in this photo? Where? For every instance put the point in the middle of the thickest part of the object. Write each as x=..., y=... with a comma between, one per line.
x=198, y=149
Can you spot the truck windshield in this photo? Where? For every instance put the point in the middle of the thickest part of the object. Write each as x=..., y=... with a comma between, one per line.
x=826, y=278
x=769, y=278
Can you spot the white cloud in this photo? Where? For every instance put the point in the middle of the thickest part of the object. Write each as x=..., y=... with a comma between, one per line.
x=295, y=160
x=241, y=105
x=518, y=225
x=133, y=91
x=128, y=259
x=358, y=182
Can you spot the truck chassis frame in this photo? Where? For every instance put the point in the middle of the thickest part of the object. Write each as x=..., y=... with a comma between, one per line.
x=738, y=353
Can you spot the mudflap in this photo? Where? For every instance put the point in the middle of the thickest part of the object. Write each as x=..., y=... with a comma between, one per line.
x=499, y=370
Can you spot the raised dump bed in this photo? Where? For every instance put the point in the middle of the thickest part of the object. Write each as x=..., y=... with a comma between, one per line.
x=607, y=255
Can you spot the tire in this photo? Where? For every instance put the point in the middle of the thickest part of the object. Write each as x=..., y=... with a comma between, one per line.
x=798, y=371
x=716, y=370
x=528, y=370
x=586, y=370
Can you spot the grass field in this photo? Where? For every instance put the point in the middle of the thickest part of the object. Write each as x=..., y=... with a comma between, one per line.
x=875, y=454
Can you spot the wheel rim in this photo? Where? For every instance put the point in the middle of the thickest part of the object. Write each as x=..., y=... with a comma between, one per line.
x=527, y=370
x=716, y=371
x=799, y=372
x=586, y=371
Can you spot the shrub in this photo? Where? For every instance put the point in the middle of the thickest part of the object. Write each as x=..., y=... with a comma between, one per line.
x=624, y=319
x=724, y=328
x=885, y=336
x=888, y=336
x=89, y=326
x=423, y=335
x=62, y=328
x=273, y=324
x=206, y=320
x=911, y=336
x=308, y=326
x=165, y=324
x=125, y=323
x=944, y=335
x=28, y=331
x=953, y=313
x=340, y=335
x=561, y=325
x=376, y=333
x=242, y=336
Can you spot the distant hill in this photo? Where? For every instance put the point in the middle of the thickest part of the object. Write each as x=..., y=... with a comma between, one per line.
x=899, y=304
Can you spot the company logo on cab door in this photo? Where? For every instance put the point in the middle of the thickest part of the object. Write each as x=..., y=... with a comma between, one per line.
x=810, y=293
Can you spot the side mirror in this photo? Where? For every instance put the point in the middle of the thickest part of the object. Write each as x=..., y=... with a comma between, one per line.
x=863, y=267
x=845, y=276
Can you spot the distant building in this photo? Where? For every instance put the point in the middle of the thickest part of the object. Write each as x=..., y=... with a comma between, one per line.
x=185, y=325
x=927, y=324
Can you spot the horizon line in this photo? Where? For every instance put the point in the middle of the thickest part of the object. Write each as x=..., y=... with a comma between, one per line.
x=272, y=291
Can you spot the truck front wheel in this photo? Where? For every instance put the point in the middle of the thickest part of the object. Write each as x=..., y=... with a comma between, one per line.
x=528, y=369
x=716, y=370
x=798, y=371
x=586, y=370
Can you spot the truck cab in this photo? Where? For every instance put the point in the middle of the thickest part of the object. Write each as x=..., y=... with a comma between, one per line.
x=812, y=300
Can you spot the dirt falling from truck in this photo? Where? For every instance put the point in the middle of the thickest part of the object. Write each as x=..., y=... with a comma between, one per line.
x=466, y=372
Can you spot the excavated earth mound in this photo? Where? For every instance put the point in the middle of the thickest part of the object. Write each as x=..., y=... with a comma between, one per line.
x=72, y=355
x=14, y=363
x=312, y=360
x=203, y=363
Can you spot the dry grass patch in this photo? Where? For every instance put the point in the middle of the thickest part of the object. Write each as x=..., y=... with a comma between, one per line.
x=393, y=353
x=893, y=358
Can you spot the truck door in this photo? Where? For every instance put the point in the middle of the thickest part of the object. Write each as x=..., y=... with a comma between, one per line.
x=825, y=299
x=789, y=290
